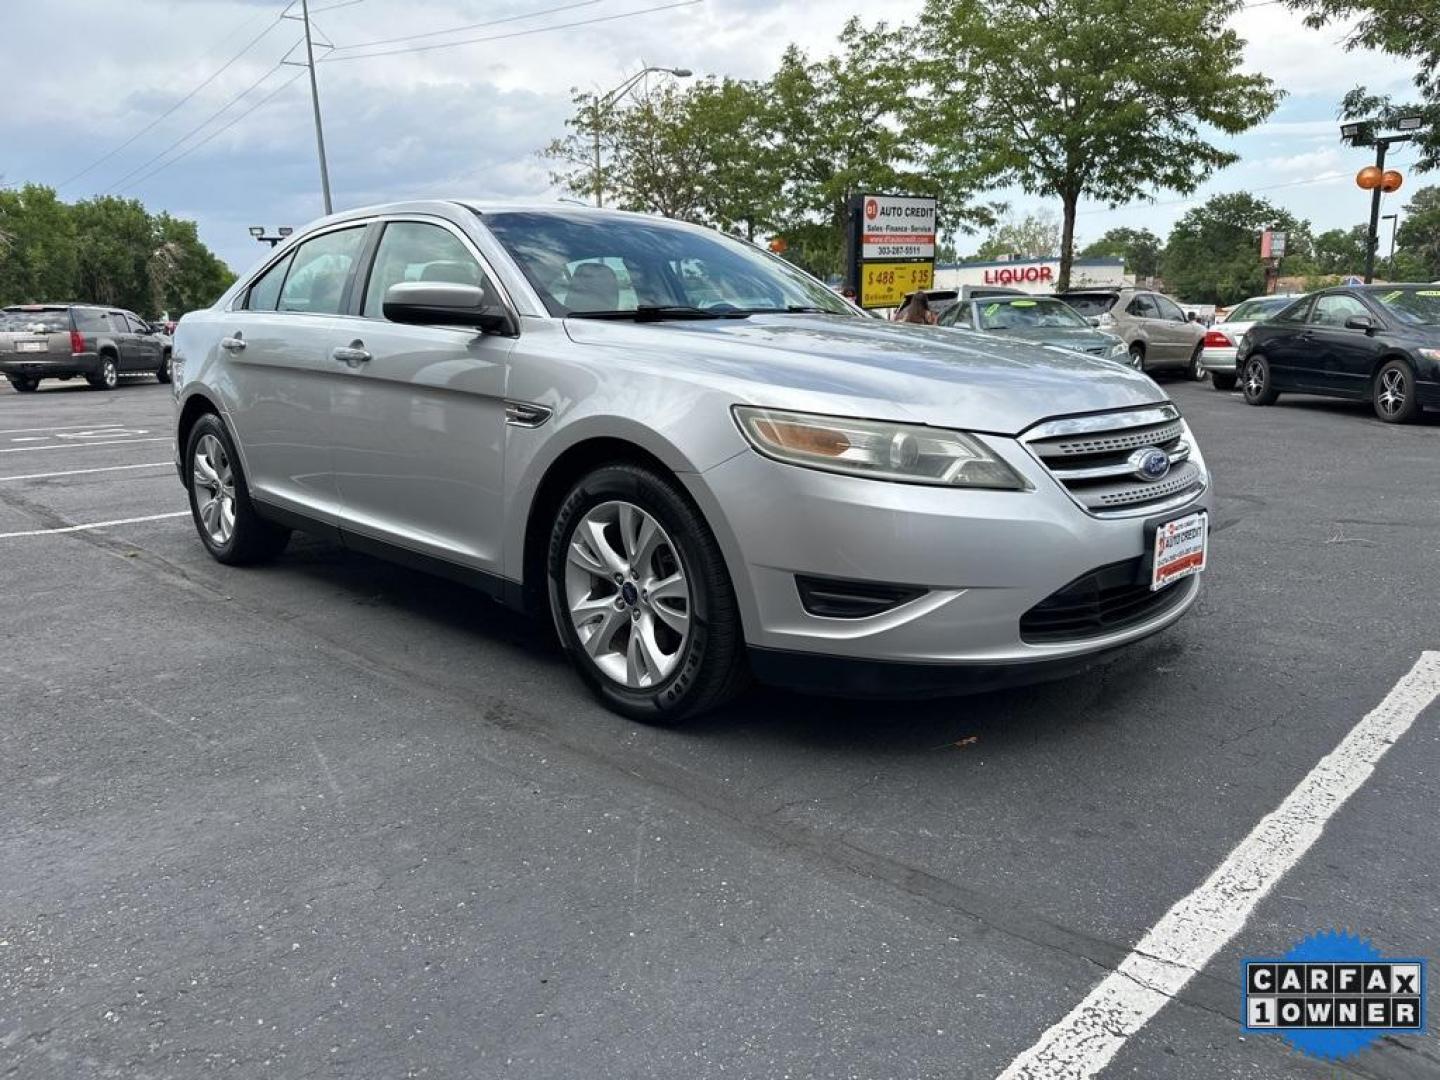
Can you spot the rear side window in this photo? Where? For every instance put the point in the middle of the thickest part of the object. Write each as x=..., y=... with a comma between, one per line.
x=316, y=282
x=90, y=321
x=118, y=323
x=265, y=293
x=1295, y=313
x=1142, y=307
x=956, y=315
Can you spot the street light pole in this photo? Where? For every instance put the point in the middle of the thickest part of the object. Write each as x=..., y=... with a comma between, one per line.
x=1394, y=220
x=602, y=105
x=315, y=102
x=1381, y=145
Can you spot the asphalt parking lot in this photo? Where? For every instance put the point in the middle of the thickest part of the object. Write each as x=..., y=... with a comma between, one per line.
x=334, y=818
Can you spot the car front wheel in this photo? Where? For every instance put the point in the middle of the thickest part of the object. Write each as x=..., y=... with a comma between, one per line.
x=641, y=599
x=1257, y=385
x=1394, y=395
x=1137, y=356
x=220, y=503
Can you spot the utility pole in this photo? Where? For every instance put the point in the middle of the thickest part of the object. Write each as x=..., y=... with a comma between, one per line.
x=1394, y=220
x=1373, y=238
x=315, y=101
x=602, y=104
x=1374, y=178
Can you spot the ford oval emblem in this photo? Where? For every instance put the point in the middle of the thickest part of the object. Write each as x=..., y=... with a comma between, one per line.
x=1150, y=463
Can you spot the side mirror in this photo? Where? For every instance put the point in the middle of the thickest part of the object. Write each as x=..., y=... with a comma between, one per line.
x=1361, y=322
x=445, y=303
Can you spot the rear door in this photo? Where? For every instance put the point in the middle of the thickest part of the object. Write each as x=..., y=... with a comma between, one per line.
x=1143, y=317
x=1179, y=334
x=419, y=423
x=275, y=346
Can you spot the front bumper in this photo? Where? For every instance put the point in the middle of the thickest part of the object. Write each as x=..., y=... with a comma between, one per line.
x=985, y=558
x=1221, y=360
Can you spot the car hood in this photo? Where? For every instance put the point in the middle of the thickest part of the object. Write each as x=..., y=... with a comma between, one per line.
x=1060, y=337
x=940, y=376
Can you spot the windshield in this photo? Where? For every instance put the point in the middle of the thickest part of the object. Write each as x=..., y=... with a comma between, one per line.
x=1414, y=306
x=1089, y=304
x=583, y=264
x=1257, y=310
x=1027, y=313
x=44, y=321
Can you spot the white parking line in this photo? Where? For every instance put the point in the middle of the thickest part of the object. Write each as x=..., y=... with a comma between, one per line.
x=94, y=525
x=84, y=472
x=1200, y=925
x=81, y=445
x=61, y=427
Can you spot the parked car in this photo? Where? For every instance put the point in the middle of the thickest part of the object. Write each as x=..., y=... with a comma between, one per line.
x=1041, y=320
x=691, y=457
x=1222, y=339
x=1156, y=332
x=1376, y=343
x=63, y=341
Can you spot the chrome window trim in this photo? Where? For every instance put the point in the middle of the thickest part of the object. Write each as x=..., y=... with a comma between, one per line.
x=282, y=250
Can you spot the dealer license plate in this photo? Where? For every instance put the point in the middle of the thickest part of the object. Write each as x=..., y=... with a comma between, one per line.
x=32, y=346
x=1180, y=549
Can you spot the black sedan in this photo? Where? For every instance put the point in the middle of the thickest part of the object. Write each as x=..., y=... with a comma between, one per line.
x=1376, y=343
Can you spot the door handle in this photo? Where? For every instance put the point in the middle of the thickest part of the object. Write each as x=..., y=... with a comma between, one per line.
x=353, y=354
x=233, y=344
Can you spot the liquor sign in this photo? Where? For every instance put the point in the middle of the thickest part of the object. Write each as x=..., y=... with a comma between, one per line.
x=891, y=247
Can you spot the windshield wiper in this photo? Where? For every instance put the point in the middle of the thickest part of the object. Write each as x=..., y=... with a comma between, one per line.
x=660, y=312
x=792, y=309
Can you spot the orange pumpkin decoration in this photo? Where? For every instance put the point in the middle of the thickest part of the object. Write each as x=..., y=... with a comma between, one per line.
x=1391, y=181
x=1369, y=177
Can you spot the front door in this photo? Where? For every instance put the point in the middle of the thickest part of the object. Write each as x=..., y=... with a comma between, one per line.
x=419, y=418
x=126, y=344
x=277, y=345
x=1340, y=359
x=147, y=345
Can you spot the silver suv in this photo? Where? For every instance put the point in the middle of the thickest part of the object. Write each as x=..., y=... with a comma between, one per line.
x=1157, y=334
x=697, y=461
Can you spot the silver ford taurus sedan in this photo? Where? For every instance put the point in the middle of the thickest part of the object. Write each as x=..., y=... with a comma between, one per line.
x=698, y=460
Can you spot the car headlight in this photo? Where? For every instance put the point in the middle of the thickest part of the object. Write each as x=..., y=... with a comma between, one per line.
x=878, y=449
x=1430, y=354
x=1118, y=349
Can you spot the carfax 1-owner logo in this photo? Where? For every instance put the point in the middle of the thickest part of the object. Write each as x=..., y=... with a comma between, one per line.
x=1333, y=995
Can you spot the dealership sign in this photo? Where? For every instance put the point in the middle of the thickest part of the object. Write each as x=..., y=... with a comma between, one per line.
x=891, y=247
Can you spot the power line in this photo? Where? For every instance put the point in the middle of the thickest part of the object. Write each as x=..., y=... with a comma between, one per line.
x=197, y=128
x=218, y=131
x=171, y=111
x=513, y=34
x=473, y=26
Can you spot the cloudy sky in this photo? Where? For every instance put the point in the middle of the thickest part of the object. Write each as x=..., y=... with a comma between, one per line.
x=97, y=75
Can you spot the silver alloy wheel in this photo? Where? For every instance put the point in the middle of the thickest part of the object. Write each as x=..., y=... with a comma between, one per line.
x=108, y=375
x=629, y=600
x=1254, y=378
x=1197, y=367
x=1137, y=359
x=214, y=483
x=1391, y=398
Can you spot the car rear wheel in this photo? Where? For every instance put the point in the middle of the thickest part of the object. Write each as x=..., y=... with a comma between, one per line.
x=108, y=377
x=220, y=503
x=162, y=373
x=1257, y=385
x=1197, y=364
x=1223, y=380
x=24, y=384
x=641, y=599
x=1137, y=356
x=1393, y=394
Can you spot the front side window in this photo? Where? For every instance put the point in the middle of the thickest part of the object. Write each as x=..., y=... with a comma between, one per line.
x=417, y=251
x=1334, y=309
x=1168, y=309
x=265, y=293
x=581, y=265
x=136, y=326
x=316, y=282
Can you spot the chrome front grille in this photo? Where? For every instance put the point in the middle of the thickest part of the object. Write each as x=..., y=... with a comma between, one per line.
x=1091, y=458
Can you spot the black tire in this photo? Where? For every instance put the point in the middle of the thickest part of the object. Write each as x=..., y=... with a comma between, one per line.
x=252, y=538
x=1393, y=393
x=1256, y=383
x=1197, y=364
x=1137, y=356
x=162, y=374
x=24, y=384
x=712, y=666
x=1223, y=380
x=108, y=377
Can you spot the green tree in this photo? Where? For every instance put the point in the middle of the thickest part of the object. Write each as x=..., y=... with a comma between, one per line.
x=1099, y=99
x=38, y=261
x=1032, y=236
x=1140, y=248
x=1341, y=251
x=1213, y=253
x=1418, y=239
x=1405, y=28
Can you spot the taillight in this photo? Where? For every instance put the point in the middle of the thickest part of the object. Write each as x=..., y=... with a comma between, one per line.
x=77, y=342
x=1214, y=339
